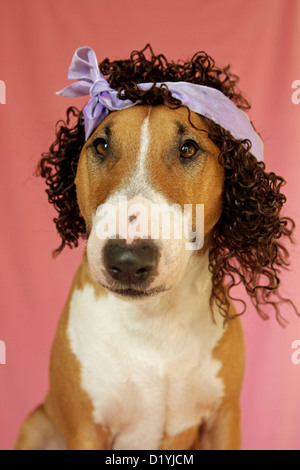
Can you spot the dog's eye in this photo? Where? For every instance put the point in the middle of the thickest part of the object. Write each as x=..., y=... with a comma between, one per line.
x=101, y=146
x=188, y=149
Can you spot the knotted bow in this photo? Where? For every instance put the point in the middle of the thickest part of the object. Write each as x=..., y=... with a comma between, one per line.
x=90, y=81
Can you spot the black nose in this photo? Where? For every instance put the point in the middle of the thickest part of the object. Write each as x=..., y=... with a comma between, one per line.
x=130, y=264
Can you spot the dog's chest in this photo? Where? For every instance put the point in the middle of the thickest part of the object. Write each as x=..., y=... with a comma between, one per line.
x=145, y=376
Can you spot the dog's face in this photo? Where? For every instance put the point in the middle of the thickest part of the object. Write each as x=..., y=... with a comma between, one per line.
x=141, y=168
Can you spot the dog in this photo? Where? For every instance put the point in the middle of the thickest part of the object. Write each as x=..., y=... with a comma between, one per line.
x=149, y=350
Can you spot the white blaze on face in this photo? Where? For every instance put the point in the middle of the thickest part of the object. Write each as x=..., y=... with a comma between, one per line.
x=137, y=211
x=144, y=148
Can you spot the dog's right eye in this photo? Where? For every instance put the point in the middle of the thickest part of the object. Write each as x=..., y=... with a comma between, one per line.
x=101, y=146
x=188, y=150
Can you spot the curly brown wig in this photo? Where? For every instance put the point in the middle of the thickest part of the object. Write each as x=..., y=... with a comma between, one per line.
x=245, y=241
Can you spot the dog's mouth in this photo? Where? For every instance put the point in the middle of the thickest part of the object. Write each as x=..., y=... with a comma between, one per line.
x=133, y=293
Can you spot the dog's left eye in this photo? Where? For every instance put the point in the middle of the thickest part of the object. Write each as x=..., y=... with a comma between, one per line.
x=101, y=146
x=188, y=150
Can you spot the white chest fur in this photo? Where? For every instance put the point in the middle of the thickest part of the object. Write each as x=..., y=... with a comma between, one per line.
x=147, y=367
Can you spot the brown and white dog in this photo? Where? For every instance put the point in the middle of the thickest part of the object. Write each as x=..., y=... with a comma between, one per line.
x=139, y=361
x=143, y=371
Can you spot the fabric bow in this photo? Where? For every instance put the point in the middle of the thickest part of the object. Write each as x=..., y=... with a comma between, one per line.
x=90, y=81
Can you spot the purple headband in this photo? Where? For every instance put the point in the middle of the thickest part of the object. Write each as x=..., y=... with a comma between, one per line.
x=201, y=99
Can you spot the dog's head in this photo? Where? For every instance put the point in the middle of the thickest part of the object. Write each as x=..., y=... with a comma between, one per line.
x=138, y=175
x=160, y=158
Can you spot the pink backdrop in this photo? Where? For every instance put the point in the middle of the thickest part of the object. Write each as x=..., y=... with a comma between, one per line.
x=260, y=39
